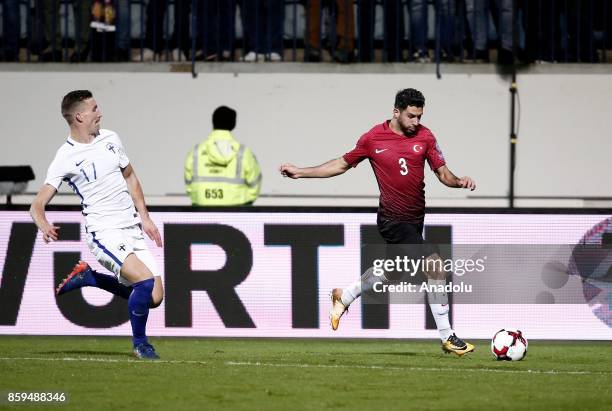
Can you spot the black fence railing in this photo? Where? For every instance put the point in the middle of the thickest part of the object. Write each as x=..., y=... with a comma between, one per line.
x=344, y=31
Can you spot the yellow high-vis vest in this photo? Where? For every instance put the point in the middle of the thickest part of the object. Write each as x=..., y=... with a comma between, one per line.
x=220, y=171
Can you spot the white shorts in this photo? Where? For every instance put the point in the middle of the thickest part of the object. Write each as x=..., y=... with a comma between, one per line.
x=111, y=248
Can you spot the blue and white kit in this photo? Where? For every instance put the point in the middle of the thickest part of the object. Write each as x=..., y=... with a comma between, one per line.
x=94, y=172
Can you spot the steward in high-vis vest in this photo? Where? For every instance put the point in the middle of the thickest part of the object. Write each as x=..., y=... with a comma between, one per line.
x=220, y=171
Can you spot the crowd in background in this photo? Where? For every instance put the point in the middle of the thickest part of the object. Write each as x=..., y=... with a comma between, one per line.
x=345, y=31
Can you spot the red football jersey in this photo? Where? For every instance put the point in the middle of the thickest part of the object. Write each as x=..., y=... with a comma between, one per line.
x=398, y=163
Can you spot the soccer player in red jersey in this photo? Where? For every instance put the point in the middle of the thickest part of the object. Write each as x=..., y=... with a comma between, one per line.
x=397, y=150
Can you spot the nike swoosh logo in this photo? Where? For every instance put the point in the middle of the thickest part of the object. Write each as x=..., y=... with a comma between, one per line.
x=138, y=314
x=79, y=163
x=380, y=151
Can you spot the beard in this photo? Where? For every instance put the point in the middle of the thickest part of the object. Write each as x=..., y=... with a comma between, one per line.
x=411, y=130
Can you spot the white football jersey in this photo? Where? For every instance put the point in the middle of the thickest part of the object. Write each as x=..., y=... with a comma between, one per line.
x=93, y=171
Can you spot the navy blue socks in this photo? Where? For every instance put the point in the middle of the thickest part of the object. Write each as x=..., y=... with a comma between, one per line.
x=110, y=284
x=138, y=304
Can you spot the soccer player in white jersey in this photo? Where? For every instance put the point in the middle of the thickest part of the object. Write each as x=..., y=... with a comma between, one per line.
x=93, y=163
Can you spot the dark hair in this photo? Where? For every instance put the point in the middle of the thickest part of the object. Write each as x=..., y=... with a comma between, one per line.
x=409, y=97
x=71, y=101
x=224, y=118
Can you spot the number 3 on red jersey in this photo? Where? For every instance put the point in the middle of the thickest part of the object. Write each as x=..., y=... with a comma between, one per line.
x=403, y=166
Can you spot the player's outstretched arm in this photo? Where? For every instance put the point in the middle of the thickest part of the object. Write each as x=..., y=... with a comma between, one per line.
x=447, y=178
x=37, y=211
x=330, y=169
x=148, y=226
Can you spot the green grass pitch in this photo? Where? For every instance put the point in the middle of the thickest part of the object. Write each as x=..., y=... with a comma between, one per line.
x=287, y=374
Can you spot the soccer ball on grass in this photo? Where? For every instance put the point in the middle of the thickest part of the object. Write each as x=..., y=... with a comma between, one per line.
x=509, y=345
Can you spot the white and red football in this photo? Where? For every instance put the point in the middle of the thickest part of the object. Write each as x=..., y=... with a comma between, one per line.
x=509, y=345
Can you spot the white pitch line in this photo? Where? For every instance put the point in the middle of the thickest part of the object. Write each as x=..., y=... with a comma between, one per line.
x=382, y=367
x=288, y=365
x=103, y=360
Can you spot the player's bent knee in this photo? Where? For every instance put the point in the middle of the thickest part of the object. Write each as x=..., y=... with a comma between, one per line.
x=156, y=302
x=157, y=296
x=134, y=270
